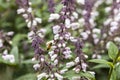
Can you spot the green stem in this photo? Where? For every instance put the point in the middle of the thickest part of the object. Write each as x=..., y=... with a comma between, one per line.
x=110, y=73
x=112, y=68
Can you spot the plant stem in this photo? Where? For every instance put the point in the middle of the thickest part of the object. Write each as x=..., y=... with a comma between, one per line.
x=110, y=73
x=112, y=68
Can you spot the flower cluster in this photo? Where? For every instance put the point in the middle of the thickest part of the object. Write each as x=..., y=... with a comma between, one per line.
x=5, y=40
x=64, y=22
x=72, y=28
x=107, y=31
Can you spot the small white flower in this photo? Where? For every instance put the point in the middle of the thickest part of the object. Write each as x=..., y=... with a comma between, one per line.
x=84, y=12
x=56, y=29
x=61, y=38
x=75, y=26
x=30, y=34
x=70, y=64
x=55, y=62
x=1, y=43
x=36, y=66
x=72, y=39
x=88, y=32
x=115, y=11
x=27, y=20
x=63, y=71
x=77, y=70
x=117, y=17
x=114, y=23
x=86, y=56
x=9, y=57
x=77, y=59
x=53, y=57
x=117, y=39
x=118, y=1
x=10, y=42
x=29, y=10
x=43, y=30
x=51, y=79
x=84, y=66
x=59, y=45
x=42, y=59
x=91, y=72
x=53, y=47
x=39, y=20
x=67, y=36
x=107, y=45
x=81, y=21
x=67, y=23
x=96, y=56
x=95, y=30
x=91, y=20
x=41, y=35
x=113, y=28
x=75, y=14
x=51, y=53
x=107, y=21
x=94, y=14
x=84, y=35
x=118, y=63
x=21, y=10
x=30, y=3
x=63, y=44
x=33, y=59
x=40, y=76
x=54, y=16
x=5, y=52
x=34, y=23
x=96, y=41
x=104, y=35
x=99, y=56
x=68, y=56
x=10, y=33
x=29, y=24
x=25, y=16
x=107, y=9
x=58, y=76
x=56, y=36
x=81, y=2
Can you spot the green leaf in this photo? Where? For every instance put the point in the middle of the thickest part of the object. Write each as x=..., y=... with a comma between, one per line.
x=113, y=76
x=101, y=61
x=27, y=77
x=100, y=66
x=71, y=74
x=112, y=50
x=29, y=61
x=118, y=59
x=58, y=8
x=14, y=51
x=88, y=75
x=17, y=38
x=1, y=59
x=117, y=68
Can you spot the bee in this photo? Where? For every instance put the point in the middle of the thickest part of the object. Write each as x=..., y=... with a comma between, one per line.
x=49, y=45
